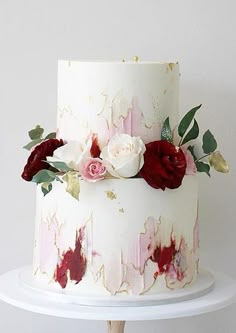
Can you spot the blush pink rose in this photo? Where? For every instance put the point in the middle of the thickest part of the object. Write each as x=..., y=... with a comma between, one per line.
x=191, y=168
x=92, y=169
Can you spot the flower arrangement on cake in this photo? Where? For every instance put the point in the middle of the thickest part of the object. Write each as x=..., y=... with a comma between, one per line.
x=162, y=163
x=117, y=191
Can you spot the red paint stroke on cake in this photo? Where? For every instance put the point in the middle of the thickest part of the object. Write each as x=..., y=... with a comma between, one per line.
x=170, y=260
x=72, y=264
x=163, y=256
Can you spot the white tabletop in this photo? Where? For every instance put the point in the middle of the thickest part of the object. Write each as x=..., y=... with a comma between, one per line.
x=14, y=293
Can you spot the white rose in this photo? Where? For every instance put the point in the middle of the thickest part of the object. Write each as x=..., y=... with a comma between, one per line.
x=72, y=153
x=123, y=156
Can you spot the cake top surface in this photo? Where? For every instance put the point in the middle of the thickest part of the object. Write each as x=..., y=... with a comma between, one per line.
x=122, y=61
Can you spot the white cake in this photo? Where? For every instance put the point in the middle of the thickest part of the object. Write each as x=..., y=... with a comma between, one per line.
x=110, y=97
x=117, y=193
x=122, y=235
x=119, y=224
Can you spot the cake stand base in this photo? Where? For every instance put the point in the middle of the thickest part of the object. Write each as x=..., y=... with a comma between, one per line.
x=15, y=293
x=116, y=326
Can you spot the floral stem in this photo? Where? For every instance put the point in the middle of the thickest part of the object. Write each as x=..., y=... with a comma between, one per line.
x=180, y=142
x=202, y=157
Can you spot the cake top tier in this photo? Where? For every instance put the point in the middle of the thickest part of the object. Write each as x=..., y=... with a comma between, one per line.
x=105, y=98
x=135, y=60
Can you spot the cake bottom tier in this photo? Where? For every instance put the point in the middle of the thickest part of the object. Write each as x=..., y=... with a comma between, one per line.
x=122, y=236
x=203, y=284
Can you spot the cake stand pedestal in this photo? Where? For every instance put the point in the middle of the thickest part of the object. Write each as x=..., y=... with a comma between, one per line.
x=116, y=326
x=15, y=293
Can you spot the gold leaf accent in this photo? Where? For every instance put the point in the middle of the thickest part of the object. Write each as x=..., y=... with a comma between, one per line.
x=121, y=210
x=73, y=186
x=135, y=58
x=111, y=195
x=64, y=110
x=218, y=162
x=171, y=65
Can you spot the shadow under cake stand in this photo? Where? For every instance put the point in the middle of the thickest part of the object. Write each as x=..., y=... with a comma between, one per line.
x=211, y=292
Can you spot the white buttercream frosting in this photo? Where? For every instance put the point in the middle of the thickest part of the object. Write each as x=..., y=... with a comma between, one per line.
x=123, y=221
x=111, y=97
x=129, y=237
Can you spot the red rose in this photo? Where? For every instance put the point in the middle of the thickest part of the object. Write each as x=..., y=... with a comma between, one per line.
x=38, y=155
x=164, y=165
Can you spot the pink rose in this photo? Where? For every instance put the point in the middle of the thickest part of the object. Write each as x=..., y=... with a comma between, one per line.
x=92, y=169
x=191, y=168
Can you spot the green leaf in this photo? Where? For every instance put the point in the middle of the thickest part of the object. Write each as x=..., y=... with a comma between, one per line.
x=73, y=185
x=33, y=143
x=60, y=166
x=191, y=149
x=186, y=121
x=209, y=144
x=166, y=133
x=203, y=167
x=50, y=136
x=36, y=133
x=46, y=188
x=45, y=176
x=192, y=134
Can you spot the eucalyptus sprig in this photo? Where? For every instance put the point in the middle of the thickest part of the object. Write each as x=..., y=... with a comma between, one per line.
x=45, y=178
x=209, y=144
x=201, y=166
x=215, y=159
x=36, y=136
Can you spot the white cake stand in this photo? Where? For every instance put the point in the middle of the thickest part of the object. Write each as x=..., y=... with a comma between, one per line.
x=15, y=293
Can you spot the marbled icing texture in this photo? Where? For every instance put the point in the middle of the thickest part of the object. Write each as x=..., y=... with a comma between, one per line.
x=142, y=240
x=122, y=236
x=109, y=98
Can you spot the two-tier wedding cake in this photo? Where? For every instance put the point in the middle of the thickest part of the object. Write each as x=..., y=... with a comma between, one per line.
x=117, y=194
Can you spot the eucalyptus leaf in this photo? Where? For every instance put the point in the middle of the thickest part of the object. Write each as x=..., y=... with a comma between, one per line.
x=36, y=133
x=60, y=166
x=166, y=133
x=191, y=149
x=73, y=185
x=203, y=167
x=46, y=188
x=33, y=143
x=209, y=143
x=50, y=136
x=45, y=176
x=192, y=134
x=186, y=121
